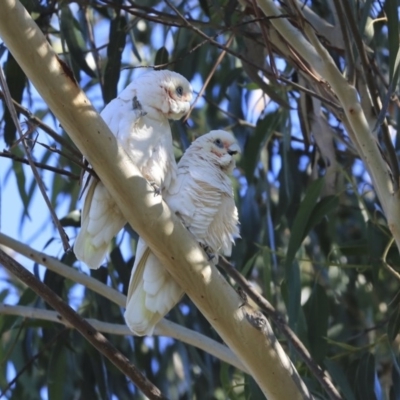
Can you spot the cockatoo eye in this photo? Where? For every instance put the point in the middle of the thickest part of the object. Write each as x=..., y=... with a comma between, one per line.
x=218, y=143
x=179, y=91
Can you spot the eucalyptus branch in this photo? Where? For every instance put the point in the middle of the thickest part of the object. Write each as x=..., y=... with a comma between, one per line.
x=95, y=338
x=317, y=56
x=163, y=328
x=374, y=92
x=280, y=321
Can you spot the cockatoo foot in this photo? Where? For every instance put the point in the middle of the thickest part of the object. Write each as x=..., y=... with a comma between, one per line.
x=157, y=189
x=208, y=251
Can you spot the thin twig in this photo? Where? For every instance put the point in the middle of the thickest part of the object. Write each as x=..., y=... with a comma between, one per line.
x=348, y=44
x=267, y=73
x=31, y=361
x=11, y=348
x=95, y=338
x=79, y=162
x=22, y=160
x=193, y=49
x=160, y=17
x=241, y=122
x=267, y=42
x=45, y=128
x=13, y=113
x=388, y=267
x=209, y=77
x=94, y=50
x=279, y=320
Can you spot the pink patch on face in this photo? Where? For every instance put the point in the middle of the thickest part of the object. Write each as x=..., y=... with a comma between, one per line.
x=226, y=145
x=218, y=154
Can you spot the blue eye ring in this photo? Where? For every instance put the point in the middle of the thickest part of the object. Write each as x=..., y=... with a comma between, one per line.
x=218, y=143
x=179, y=91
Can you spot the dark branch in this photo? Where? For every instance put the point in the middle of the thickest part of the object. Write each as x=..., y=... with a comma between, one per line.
x=94, y=337
x=38, y=122
x=22, y=160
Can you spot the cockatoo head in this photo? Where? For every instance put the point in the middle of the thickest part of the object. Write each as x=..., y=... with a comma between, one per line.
x=219, y=147
x=166, y=91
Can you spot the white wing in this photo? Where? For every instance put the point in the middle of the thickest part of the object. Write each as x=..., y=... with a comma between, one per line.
x=101, y=221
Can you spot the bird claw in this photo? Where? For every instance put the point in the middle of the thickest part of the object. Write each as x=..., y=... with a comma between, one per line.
x=208, y=251
x=242, y=295
x=157, y=189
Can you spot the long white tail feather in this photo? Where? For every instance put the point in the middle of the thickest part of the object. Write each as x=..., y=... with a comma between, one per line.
x=101, y=221
x=152, y=293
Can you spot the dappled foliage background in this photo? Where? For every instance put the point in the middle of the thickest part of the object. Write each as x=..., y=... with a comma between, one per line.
x=314, y=240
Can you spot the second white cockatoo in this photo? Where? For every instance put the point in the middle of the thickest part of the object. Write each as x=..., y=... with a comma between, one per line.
x=138, y=118
x=202, y=197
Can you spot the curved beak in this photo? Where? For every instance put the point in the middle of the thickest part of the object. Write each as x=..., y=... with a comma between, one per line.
x=233, y=149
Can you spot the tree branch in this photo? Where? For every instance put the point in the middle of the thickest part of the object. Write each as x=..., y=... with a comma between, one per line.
x=150, y=217
x=94, y=337
x=317, y=56
x=279, y=320
x=163, y=328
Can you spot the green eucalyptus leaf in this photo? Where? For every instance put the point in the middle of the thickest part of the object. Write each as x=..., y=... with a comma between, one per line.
x=16, y=82
x=365, y=377
x=162, y=56
x=71, y=31
x=115, y=48
x=299, y=228
x=317, y=314
x=261, y=136
x=339, y=378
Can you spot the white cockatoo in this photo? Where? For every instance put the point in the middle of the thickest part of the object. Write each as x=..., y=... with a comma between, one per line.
x=138, y=118
x=202, y=197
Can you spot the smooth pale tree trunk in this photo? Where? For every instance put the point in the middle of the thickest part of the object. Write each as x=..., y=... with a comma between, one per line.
x=249, y=335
